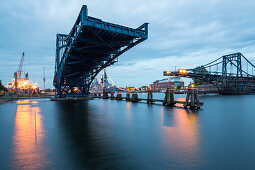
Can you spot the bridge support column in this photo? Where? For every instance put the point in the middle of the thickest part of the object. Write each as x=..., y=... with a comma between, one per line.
x=192, y=99
x=134, y=98
x=128, y=97
x=119, y=96
x=150, y=97
x=169, y=98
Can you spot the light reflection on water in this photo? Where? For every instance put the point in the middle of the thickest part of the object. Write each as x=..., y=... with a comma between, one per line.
x=110, y=134
x=180, y=135
x=28, y=151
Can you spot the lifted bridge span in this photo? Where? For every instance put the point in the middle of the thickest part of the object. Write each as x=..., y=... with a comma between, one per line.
x=91, y=46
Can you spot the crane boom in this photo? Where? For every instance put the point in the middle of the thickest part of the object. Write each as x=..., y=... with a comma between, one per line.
x=20, y=65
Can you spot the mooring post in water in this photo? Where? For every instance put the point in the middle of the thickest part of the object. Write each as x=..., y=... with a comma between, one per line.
x=112, y=96
x=105, y=95
x=187, y=99
x=119, y=96
x=134, y=97
x=99, y=95
x=196, y=99
x=192, y=99
x=150, y=97
x=128, y=97
x=6, y=96
x=169, y=98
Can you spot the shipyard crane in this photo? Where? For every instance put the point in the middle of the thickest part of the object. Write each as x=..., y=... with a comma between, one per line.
x=17, y=74
x=20, y=65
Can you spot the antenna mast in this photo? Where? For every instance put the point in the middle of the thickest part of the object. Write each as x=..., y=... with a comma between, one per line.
x=44, y=78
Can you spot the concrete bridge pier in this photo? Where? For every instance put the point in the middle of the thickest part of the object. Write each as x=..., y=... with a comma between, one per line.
x=169, y=98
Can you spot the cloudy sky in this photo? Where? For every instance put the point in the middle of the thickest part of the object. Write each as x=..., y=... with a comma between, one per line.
x=183, y=33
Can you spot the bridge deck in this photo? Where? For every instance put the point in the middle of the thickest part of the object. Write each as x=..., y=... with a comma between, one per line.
x=91, y=46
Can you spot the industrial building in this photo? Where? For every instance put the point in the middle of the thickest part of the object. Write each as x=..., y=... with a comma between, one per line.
x=169, y=83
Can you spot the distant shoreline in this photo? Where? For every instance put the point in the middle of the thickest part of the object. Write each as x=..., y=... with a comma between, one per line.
x=3, y=101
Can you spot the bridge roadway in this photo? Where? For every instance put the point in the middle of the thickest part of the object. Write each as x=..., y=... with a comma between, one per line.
x=91, y=46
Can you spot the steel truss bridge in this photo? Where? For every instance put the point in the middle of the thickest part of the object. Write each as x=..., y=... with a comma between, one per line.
x=230, y=74
x=91, y=46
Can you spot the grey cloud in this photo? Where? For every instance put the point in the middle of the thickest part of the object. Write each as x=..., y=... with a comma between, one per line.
x=181, y=32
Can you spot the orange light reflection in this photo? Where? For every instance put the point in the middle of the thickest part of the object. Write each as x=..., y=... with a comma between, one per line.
x=28, y=150
x=180, y=134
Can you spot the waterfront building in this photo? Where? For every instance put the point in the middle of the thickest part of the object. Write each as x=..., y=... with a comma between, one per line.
x=144, y=88
x=169, y=83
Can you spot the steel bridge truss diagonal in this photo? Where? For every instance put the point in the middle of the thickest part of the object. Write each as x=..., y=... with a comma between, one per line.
x=91, y=46
x=231, y=74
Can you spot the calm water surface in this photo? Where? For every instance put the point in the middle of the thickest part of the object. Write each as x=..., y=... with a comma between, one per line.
x=109, y=134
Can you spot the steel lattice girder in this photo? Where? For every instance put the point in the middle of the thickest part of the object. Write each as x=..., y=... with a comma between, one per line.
x=91, y=46
x=223, y=81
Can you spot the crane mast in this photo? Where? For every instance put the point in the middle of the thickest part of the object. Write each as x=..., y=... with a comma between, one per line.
x=20, y=66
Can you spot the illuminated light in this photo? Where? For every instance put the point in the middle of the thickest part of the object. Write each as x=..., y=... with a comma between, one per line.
x=182, y=71
x=23, y=102
x=34, y=86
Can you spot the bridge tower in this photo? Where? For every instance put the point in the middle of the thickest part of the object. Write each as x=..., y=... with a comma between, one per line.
x=232, y=59
x=229, y=59
x=239, y=78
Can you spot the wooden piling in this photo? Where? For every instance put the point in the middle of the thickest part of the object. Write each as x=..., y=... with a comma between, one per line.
x=105, y=95
x=192, y=99
x=134, y=98
x=128, y=97
x=119, y=96
x=169, y=98
x=150, y=97
x=99, y=95
x=112, y=96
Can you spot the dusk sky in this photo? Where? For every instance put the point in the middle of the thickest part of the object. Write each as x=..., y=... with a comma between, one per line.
x=185, y=33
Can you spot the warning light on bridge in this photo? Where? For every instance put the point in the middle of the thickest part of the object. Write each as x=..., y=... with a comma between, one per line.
x=182, y=71
x=166, y=73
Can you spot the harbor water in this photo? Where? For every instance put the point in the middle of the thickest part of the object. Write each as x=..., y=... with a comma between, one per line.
x=110, y=134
